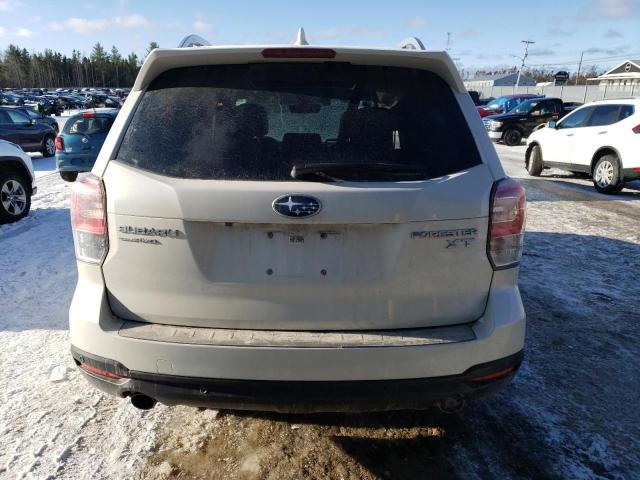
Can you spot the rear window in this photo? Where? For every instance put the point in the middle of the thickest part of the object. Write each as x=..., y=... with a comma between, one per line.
x=258, y=121
x=87, y=126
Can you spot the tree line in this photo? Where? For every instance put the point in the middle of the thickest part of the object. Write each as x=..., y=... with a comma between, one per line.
x=102, y=68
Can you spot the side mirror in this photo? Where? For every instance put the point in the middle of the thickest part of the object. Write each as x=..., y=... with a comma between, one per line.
x=551, y=124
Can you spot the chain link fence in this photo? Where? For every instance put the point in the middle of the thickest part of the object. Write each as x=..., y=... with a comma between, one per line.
x=568, y=93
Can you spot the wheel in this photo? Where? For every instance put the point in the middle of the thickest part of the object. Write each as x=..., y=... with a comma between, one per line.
x=512, y=137
x=15, y=197
x=534, y=162
x=69, y=176
x=606, y=175
x=49, y=147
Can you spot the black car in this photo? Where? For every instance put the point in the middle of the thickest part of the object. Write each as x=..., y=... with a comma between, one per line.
x=21, y=129
x=513, y=126
x=38, y=116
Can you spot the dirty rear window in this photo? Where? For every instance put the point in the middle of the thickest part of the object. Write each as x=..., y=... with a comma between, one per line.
x=257, y=121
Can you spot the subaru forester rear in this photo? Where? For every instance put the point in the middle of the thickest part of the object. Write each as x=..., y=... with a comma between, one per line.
x=298, y=229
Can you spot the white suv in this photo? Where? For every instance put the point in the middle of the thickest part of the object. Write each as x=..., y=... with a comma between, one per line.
x=600, y=138
x=298, y=228
x=17, y=182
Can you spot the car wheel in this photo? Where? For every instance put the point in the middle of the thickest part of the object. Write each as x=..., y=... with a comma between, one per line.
x=15, y=197
x=534, y=162
x=512, y=137
x=49, y=148
x=69, y=176
x=606, y=175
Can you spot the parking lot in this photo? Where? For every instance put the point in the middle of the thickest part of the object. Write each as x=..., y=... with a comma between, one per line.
x=570, y=413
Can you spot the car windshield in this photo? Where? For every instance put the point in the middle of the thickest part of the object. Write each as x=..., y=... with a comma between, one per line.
x=498, y=103
x=255, y=122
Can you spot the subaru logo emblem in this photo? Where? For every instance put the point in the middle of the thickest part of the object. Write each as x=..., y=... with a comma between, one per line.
x=296, y=205
x=85, y=140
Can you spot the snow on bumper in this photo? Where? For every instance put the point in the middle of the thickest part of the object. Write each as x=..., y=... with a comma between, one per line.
x=498, y=334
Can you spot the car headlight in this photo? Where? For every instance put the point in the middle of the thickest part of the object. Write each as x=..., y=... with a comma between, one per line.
x=494, y=125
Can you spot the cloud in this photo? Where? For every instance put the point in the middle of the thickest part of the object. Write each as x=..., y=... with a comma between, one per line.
x=607, y=9
x=559, y=32
x=541, y=52
x=80, y=25
x=131, y=21
x=7, y=6
x=416, y=22
x=611, y=33
x=24, y=32
x=85, y=26
x=619, y=50
x=203, y=27
x=1, y=31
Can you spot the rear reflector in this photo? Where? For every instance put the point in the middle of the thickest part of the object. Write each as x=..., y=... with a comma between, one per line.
x=88, y=219
x=298, y=53
x=59, y=144
x=636, y=129
x=506, y=224
x=101, y=373
x=493, y=376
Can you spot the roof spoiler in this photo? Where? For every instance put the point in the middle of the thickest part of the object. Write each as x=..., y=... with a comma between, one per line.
x=409, y=43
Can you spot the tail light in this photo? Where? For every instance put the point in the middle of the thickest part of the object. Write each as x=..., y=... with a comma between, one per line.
x=506, y=224
x=89, y=220
x=636, y=129
x=59, y=144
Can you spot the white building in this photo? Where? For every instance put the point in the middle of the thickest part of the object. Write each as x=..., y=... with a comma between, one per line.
x=627, y=73
x=499, y=80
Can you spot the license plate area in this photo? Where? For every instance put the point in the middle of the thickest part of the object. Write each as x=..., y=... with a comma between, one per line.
x=298, y=253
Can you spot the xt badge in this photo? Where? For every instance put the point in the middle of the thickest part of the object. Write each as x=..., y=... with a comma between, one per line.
x=457, y=242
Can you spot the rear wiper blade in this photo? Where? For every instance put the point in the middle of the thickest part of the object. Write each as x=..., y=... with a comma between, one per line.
x=336, y=171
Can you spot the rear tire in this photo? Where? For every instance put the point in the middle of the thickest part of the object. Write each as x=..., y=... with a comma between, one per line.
x=69, y=176
x=607, y=177
x=534, y=163
x=15, y=197
x=512, y=137
x=49, y=146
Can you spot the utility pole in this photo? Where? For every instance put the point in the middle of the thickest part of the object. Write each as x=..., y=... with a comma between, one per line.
x=448, y=41
x=524, y=58
x=579, y=67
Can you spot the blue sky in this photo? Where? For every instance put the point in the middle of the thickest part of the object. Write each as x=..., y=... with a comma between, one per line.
x=482, y=33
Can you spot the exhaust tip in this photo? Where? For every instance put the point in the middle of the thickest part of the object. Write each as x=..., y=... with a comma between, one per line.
x=142, y=402
x=452, y=404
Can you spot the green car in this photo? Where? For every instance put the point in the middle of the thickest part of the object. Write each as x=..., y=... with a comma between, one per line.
x=79, y=143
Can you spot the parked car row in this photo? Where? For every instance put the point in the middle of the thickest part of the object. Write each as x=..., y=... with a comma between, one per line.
x=54, y=103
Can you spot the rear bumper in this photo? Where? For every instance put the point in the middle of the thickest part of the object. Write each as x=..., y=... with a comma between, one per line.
x=300, y=396
x=495, y=136
x=74, y=163
x=163, y=368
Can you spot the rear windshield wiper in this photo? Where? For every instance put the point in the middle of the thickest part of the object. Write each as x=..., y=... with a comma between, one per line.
x=350, y=171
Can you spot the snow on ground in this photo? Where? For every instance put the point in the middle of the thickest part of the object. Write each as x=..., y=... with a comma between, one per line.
x=571, y=412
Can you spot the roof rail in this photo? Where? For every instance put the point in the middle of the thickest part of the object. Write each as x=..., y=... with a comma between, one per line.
x=193, y=41
x=411, y=43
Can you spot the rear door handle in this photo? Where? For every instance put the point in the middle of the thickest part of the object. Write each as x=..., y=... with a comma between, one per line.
x=602, y=133
x=570, y=134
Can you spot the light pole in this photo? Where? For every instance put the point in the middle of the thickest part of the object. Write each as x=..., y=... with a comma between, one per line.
x=524, y=58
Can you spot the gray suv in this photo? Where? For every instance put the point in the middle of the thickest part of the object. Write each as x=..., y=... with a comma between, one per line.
x=295, y=228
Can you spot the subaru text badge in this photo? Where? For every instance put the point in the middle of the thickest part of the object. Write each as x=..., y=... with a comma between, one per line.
x=297, y=206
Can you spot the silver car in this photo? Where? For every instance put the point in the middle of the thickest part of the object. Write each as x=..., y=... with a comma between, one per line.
x=295, y=228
